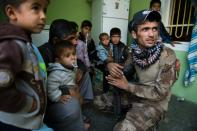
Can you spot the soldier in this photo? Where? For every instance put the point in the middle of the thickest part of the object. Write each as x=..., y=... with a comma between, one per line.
x=156, y=69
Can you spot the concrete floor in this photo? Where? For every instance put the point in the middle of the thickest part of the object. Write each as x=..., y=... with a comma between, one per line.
x=181, y=116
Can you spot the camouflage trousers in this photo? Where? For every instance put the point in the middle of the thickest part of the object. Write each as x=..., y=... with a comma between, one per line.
x=141, y=117
x=105, y=101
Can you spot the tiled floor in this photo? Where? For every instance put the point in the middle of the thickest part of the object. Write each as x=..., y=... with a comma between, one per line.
x=182, y=116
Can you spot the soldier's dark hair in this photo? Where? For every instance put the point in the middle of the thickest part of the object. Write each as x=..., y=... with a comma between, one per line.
x=115, y=31
x=86, y=23
x=60, y=47
x=133, y=27
x=143, y=16
x=102, y=35
x=154, y=1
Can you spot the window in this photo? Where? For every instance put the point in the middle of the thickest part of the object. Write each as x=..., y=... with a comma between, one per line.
x=178, y=17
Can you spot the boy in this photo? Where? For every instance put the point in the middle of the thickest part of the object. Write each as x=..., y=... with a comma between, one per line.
x=155, y=5
x=120, y=51
x=104, y=50
x=20, y=77
x=120, y=56
x=62, y=73
x=84, y=35
x=61, y=84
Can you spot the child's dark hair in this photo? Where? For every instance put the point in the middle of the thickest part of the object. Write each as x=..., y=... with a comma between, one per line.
x=86, y=23
x=102, y=35
x=60, y=47
x=60, y=28
x=115, y=31
x=154, y=1
x=15, y=3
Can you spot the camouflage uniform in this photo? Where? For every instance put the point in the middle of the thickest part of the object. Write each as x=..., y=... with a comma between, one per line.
x=151, y=94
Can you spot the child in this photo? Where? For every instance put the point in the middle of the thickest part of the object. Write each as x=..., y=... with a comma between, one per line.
x=121, y=53
x=165, y=36
x=104, y=50
x=84, y=35
x=20, y=75
x=60, y=84
x=120, y=56
x=62, y=73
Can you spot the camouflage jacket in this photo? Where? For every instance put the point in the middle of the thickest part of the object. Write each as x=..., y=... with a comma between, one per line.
x=155, y=82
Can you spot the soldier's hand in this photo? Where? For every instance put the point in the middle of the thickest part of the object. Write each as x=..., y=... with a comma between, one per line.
x=115, y=70
x=121, y=82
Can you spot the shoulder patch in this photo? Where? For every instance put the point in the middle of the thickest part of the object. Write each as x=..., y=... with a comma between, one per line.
x=167, y=56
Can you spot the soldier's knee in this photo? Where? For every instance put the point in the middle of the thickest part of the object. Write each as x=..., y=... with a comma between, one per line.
x=125, y=125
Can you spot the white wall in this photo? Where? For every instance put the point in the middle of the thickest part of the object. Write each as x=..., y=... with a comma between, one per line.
x=41, y=38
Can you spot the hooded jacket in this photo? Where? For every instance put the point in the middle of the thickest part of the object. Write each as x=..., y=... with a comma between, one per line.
x=59, y=78
x=22, y=92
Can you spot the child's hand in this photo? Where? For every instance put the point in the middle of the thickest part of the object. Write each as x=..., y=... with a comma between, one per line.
x=65, y=98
